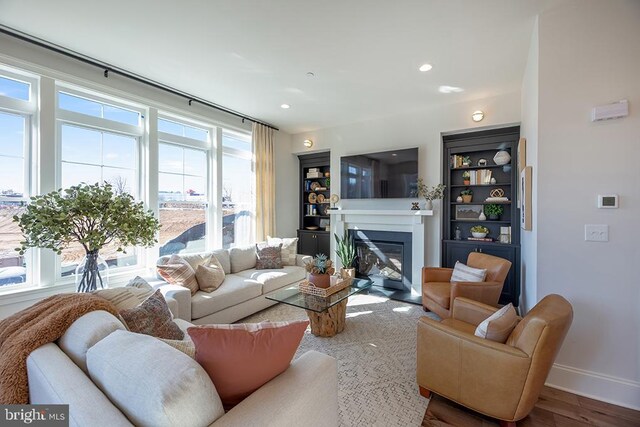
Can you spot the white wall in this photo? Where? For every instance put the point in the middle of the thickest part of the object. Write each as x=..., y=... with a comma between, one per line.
x=287, y=188
x=588, y=55
x=421, y=129
x=529, y=131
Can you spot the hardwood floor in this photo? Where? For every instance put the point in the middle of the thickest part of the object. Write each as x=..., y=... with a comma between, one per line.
x=555, y=408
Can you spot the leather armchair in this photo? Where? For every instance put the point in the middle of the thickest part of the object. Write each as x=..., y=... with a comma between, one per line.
x=438, y=291
x=502, y=381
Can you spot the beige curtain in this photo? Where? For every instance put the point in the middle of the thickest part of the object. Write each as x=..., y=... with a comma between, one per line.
x=263, y=137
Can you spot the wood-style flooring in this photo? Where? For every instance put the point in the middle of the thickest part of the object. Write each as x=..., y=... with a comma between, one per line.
x=555, y=408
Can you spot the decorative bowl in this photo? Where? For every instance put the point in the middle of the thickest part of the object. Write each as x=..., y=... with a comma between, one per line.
x=478, y=235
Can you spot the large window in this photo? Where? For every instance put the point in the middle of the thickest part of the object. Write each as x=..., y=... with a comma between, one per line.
x=17, y=106
x=99, y=142
x=183, y=188
x=238, y=190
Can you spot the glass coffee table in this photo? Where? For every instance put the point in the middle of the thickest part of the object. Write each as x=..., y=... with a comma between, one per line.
x=326, y=314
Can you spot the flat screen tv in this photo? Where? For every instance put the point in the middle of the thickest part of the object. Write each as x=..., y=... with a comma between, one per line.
x=385, y=175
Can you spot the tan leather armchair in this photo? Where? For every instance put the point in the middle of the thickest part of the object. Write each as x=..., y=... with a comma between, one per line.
x=438, y=292
x=502, y=381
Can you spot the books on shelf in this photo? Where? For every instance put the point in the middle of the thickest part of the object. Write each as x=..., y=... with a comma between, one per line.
x=497, y=199
x=456, y=161
x=480, y=239
x=311, y=170
x=311, y=175
x=481, y=177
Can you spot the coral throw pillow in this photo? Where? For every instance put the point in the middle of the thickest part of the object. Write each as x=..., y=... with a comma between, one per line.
x=241, y=358
x=178, y=271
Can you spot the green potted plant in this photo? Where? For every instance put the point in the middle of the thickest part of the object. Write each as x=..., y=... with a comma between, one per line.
x=346, y=251
x=493, y=211
x=430, y=193
x=320, y=269
x=467, y=195
x=92, y=215
x=479, y=231
x=466, y=177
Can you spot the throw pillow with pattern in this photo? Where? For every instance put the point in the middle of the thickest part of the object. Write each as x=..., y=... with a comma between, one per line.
x=268, y=257
x=153, y=317
x=177, y=271
x=289, y=248
x=464, y=273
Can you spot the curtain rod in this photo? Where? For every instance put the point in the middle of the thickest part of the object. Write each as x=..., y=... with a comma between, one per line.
x=108, y=68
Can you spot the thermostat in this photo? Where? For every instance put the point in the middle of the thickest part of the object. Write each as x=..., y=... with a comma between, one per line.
x=609, y=201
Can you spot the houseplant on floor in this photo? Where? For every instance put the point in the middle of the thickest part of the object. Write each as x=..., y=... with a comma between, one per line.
x=320, y=269
x=92, y=215
x=346, y=251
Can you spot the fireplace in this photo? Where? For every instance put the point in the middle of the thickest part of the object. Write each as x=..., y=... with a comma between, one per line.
x=384, y=257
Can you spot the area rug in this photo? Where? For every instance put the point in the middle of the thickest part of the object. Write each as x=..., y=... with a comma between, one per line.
x=376, y=356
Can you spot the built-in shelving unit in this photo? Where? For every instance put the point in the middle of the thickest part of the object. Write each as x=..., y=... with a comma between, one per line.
x=315, y=185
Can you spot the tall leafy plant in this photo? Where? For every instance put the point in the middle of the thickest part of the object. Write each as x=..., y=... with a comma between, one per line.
x=346, y=250
x=92, y=215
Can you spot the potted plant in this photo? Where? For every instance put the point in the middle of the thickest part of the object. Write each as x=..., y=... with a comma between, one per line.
x=346, y=251
x=320, y=269
x=430, y=193
x=479, y=231
x=493, y=211
x=92, y=215
x=467, y=195
x=466, y=177
x=466, y=161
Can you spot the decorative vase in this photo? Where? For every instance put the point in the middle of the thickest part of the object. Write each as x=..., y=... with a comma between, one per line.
x=494, y=217
x=459, y=199
x=428, y=205
x=349, y=273
x=466, y=182
x=482, y=217
x=92, y=273
x=467, y=198
x=478, y=235
x=502, y=158
x=320, y=280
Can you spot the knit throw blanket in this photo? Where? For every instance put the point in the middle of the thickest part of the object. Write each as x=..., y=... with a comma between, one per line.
x=25, y=331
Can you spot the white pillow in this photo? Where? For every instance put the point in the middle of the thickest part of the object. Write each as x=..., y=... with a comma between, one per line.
x=464, y=273
x=289, y=248
x=499, y=325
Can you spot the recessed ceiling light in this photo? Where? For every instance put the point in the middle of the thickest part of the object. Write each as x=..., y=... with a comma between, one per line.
x=477, y=116
x=450, y=89
x=393, y=154
x=310, y=74
x=285, y=106
x=425, y=67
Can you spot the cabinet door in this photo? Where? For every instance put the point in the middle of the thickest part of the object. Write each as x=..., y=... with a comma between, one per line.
x=510, y=290
x=457, y=252
x=324, y=245
x=306, y=243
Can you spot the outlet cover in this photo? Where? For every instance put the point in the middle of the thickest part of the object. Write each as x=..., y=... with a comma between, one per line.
x=596, y=232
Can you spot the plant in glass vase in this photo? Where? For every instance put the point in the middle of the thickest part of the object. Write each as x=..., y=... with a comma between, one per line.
x=430, y=193
x=92, y=215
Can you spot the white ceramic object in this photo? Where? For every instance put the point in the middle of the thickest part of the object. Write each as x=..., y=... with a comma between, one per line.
x=459, y=199
x=482, y=216
x=478, y=235
x=501, y=158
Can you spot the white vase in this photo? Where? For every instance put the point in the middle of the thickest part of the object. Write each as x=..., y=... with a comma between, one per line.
x=482, y=216
x=501, y=158
x=428, y=205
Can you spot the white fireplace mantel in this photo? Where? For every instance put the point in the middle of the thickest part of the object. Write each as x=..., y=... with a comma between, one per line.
x=388, y=220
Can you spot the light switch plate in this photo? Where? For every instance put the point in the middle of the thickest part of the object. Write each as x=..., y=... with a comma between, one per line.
x=596, y=232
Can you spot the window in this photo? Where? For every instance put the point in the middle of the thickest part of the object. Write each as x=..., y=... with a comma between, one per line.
x=16, y=114
x=238, y=190
x=99, y=142
x=182, y=187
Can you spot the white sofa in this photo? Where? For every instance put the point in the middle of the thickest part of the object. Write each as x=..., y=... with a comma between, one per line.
x=241, y=294
x=111, y=377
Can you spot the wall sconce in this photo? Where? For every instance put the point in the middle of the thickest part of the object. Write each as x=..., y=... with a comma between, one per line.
x=477, y=116
x=308, y=143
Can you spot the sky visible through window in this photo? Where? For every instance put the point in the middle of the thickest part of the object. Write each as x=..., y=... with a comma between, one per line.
x=14, y=89
x=12, y=136
x=97, y=109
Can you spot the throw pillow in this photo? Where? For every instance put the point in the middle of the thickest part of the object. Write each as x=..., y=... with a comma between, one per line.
x=186, y=346
x=210, y=276
x=499, y=325
x=194, y=260
x=177, y=271
x=268, y=257
x=152, y=317
x=289, y=248
x=126, y=297
x=241, y=358
x=464, y=273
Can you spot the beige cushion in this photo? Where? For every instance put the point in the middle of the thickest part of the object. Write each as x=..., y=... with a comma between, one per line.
x=222, y=255
x=186, y=345
x=152, y=383
x=210, y=276
x=464, y=273
x=289, y=248
x=275, y=279
x=499, y=325
x=234, y=290
x=195, y=260
x=126, y=297
x=178, y=271
x=86, y=332
x=242, y=258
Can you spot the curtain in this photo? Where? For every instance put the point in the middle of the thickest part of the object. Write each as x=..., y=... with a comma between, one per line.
x=263, y=137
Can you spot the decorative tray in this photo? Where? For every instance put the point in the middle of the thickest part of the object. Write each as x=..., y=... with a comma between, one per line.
x=307, y=287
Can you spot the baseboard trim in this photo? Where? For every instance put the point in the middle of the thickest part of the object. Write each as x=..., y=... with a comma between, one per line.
x=617, y=391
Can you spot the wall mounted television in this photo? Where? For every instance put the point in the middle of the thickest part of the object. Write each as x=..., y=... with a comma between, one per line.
x=384, y=175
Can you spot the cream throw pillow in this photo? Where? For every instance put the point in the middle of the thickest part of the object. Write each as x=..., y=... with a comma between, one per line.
x=499, y=325
x=289, y=248
x=464, y=273
x=210, y=276
x=177, y=271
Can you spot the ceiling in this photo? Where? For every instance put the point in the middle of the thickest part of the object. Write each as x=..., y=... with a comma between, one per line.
x=253, y=56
